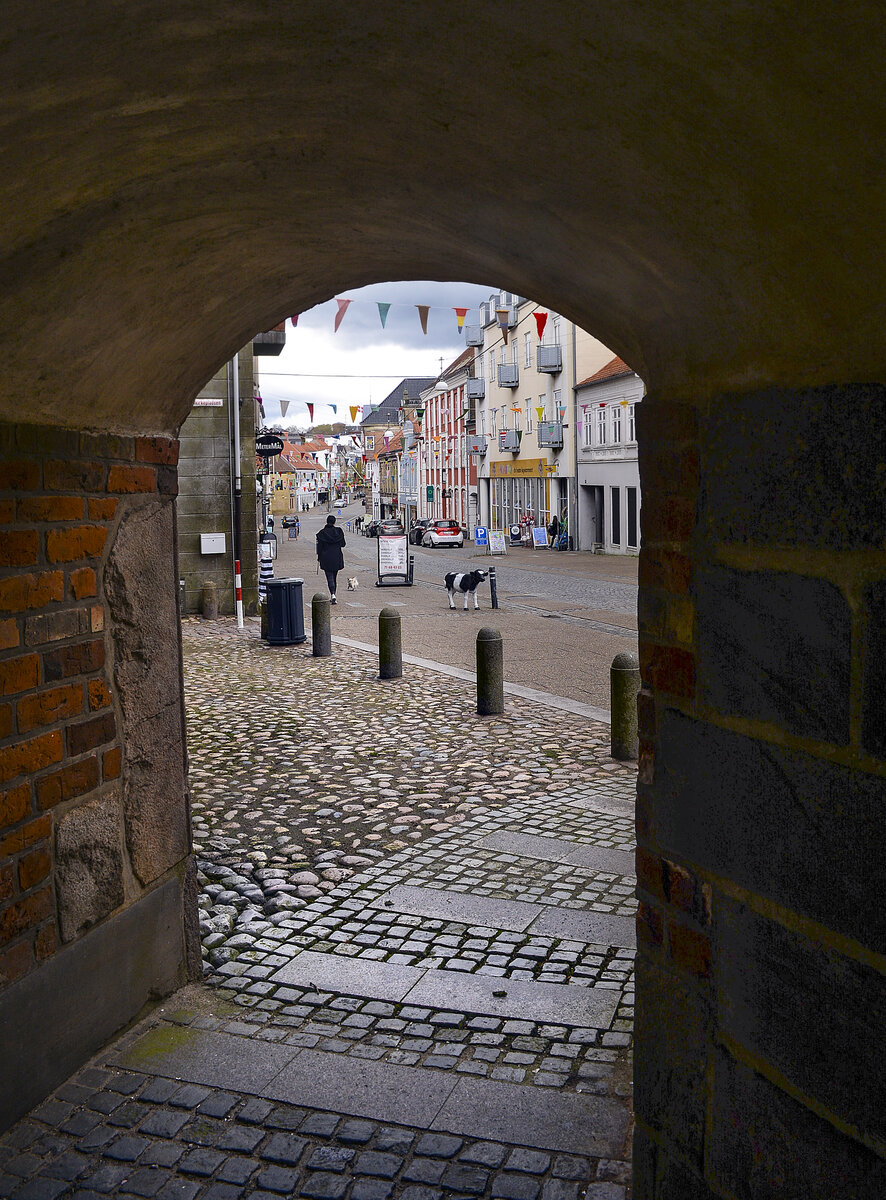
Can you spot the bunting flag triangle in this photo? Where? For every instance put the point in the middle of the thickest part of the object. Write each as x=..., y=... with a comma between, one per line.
x=460, y=314
x=423, y=310
x=383, y=310
x=294, y=319
x=334, y=408
x=311, y=413
x=355, y=408
x=541, y=413
x=541, y=319
x=501, y=315
x=284, y=405
x=340, y=315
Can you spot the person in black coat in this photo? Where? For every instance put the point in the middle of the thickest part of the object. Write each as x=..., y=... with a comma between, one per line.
x=330, y=540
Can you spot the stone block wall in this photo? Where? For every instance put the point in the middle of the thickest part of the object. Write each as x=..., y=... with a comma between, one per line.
x=761, y=990
x=93, y=803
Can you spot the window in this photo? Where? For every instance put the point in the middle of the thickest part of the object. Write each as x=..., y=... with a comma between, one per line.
x=527, y=405
x=587, y=428
x=527, y=349
x=555, y=330
x=601, y=426
x=480, y=366
x=616, y=423
x=632, y=428
x=558, y=400
x=503, y=355
x=633, y=541
x=370, y=441
x=491, y=366
x=616, y=515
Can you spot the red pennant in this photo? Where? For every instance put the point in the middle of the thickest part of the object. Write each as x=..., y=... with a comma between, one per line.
x=294, y=319
x=423, y=310
x=311, y=413
x=340, y=315
x=541, y=319
x=460, y=314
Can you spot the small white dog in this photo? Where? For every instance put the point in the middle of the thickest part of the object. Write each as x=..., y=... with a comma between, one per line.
x=353, y=584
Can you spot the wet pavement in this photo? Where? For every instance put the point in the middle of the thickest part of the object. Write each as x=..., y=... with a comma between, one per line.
x=418, y=942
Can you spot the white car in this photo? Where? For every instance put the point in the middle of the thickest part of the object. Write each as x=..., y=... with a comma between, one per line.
x=443, y=533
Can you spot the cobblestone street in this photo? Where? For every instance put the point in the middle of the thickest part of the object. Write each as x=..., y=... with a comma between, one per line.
x=417, y=930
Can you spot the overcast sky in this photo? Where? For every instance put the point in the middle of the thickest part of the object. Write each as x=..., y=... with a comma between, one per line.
x=314, y=359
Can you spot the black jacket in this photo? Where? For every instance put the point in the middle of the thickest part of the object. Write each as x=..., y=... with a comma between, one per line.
x=330, y=540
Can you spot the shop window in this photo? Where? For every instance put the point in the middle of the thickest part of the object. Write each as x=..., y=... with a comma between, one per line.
x=615, y=509
x=633, y=524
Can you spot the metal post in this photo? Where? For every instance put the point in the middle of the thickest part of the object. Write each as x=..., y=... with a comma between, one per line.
x=493, y=587
x=238, y=593
x=411, y=569
x=624, y=684
x=490, y=673
x=238, y=482
x=321, y=626
x=390, y=646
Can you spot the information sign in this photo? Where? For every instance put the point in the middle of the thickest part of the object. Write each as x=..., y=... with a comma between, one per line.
x=497, y=542
x=268, y=444
x=393, y=560
x=481, y=535
x=539, y=537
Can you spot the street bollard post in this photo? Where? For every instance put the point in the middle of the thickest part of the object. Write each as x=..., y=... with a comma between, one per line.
x=390, y=646
x=209, y=607
x=624, y=684
x=321, y=626
x=493, y=587
x=490, y=673
x=411, y=569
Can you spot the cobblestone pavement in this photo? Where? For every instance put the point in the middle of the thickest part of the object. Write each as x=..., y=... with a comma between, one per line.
x=401, y=900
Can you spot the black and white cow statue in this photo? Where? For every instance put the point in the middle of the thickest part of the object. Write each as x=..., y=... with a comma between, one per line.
x=466, y=582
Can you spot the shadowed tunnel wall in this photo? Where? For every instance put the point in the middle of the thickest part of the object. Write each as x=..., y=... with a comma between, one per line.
x=697, y=185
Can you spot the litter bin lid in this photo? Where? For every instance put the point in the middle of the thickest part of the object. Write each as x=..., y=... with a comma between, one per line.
x=284, y=579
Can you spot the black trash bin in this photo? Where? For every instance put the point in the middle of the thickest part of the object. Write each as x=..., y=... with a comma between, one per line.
x=286, y=620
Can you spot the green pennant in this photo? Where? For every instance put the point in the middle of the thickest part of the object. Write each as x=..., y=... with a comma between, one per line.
x=383, y=310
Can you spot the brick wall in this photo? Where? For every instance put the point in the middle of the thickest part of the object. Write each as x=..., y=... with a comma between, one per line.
x=761, y=867
x=62, y=758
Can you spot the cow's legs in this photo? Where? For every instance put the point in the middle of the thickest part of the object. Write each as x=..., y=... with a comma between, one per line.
x=451, y=598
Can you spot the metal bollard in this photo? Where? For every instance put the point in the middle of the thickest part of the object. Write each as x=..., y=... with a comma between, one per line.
x=390, y=645
x=493, y=587
x=321, y=626
x=490, y=673
x=624, y=684
x=411, y=569
x=209, y=607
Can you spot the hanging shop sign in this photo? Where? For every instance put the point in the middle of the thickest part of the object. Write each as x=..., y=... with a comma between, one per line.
x=527, y=468
x=268, y=444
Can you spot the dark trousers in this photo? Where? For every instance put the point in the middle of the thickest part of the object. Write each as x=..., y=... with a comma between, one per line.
x=331, y=577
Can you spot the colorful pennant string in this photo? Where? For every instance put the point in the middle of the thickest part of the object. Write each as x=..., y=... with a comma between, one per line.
x=460, y=314
x=541, y=319
x=294, y=319
x=340, y=315
x=541, y=413
x=383, y=310
x=423, y=310
x=501, y=315
x=355, y=408
x=284, y=405
x=311, y=412
x=334, y=408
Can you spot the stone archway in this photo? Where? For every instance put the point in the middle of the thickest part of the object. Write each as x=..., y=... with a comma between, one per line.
x=698, y=187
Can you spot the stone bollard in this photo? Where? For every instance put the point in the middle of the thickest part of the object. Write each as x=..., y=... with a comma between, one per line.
x=624, y=684
x=390, y=645
x=263, y=617
x=209, y=607
x=490, y=673
x=321, y=626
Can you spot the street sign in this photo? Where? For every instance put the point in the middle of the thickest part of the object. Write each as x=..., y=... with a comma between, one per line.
x=497, y=544
x=429, y=491
x=268, y=444
x=481, y=535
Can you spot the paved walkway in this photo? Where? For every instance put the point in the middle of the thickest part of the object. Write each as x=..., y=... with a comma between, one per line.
x=418, y=935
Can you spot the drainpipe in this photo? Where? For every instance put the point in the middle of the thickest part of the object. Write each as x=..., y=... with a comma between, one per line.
x=234, y=409
x=576, y=493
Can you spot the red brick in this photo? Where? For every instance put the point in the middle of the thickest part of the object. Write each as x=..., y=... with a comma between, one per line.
x=83, y=583
x=102, y=509
x=107, y=445
x=9, y=634
x=70, y=545
x=665, y=569
x=690, y=950
x=19, y=674
x=21, y=476
x=112, y=763
x=7, y=882
x=46, y=942
x=56, y=626
x=15, y=963
x=667, y=669
x=25, y=914
x=14, y=805
x=89, y=734
x=24, y=758
x=51, y=508
x=685, y=892
x=5, y=720
x=157, y=450
x=33, y=868
x=127, y=480
x=650, y=926
x=7, y=512
x=649, y=873
x=18, y=592
x=99, y=694
x=74, y=476
x=45, y=708
x=26, y=835
x=68, y=661
x=18, y=548
x=73, y=780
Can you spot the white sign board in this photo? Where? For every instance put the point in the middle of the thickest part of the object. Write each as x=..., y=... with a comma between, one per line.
x=393, y=557
x=497, y=542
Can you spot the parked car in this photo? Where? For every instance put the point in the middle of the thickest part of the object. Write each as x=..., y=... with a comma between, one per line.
x=443, y=533
x=289, y=520
x=392, y=525
x=371, y=528
x=417, y=532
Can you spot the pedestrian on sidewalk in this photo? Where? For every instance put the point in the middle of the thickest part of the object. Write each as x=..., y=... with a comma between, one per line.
x=553, y=531
x=330, y=541
x=297, y=528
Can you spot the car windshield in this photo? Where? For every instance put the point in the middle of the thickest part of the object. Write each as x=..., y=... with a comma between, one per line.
x=446, y=525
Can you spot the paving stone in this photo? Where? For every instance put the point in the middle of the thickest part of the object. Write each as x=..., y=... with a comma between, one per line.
x=438, y=1145
x=178, y=1189
x=485, y=1154
x=562, y=1189
x=277, y=1179
x=237, y=1170
x=330, y=1158
x=219, y=1104
x=324, y=1186
x=425, y=1170
x=470, y=1180
x=355, y=1133
x=164, y=1122
x=222, y=1191
x=567, y=1166
x=202, y=1161
x=242, y=1138
x=126, y=1149
x=145, y=1182
x=372, y=1162
x=323, y=1124
x=515, y=1187
x=284, y=1148
x=40, y=1188
x=371, y=1189
x=255, y=1111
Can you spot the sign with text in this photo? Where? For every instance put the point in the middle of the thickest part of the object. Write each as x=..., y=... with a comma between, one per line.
x=268, y=445
x=539, y=537
x=393, y=559
x=497, y=542
x=481, y=535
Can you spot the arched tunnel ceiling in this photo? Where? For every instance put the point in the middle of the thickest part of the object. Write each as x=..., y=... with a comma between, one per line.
x=700, y=185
